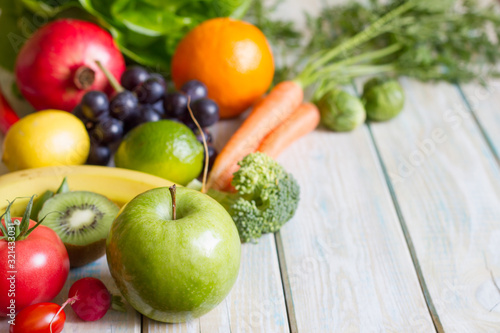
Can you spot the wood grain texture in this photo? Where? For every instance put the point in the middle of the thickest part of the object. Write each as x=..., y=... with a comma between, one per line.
x=344, y=257
x=447, y=185
x=485, y=101
x=347, y=261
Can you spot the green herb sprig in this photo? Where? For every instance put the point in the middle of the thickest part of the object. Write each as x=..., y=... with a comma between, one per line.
x=455, y=41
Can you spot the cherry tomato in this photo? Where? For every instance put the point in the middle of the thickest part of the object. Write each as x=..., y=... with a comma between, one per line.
x=36, y=318
x=32, y=270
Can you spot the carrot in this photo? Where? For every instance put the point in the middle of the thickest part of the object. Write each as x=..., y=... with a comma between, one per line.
x=302, y=121
x=271, y=111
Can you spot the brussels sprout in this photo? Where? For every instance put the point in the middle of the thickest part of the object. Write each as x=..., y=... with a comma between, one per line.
x=341, y=111
x=384, y=98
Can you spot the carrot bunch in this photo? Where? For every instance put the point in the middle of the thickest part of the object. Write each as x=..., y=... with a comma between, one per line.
x=275, y=122
x=281, y=117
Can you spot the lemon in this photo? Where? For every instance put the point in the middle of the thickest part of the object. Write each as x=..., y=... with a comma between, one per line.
x=163, y=148
x=46, y=138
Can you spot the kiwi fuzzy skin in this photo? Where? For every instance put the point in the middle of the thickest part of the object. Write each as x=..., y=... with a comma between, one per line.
x=80, y=255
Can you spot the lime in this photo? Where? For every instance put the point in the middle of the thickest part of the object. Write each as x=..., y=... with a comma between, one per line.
x=46, y=138
x=163, y=148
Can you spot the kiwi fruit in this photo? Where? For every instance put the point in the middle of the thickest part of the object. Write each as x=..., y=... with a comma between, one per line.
x=82, y=220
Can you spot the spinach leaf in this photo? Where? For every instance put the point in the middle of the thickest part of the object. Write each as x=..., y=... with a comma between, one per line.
x=15, y=30
x=20, y=19
x=147, y=31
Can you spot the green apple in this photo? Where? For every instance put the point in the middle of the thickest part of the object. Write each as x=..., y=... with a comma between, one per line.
x=173, y=264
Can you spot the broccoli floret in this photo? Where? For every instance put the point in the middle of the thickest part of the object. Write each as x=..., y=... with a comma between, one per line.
x=266, y=196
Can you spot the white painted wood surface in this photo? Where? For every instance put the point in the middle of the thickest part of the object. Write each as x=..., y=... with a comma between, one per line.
x=485, y=103
x=347, y=260
x=447, y=184
x=344, y=258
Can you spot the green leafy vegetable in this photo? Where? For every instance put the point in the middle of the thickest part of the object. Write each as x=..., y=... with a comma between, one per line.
x=20, y=19
x=433, y=40
x=266, y=198
x=282, y=35
x=13, y=35
x=147, y=31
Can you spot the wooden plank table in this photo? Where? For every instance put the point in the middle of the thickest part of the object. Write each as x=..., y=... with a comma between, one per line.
x=398, y=228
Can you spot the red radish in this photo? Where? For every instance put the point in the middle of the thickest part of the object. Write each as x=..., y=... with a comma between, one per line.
x=94, y=299
x=56, y=66
x=7, y=115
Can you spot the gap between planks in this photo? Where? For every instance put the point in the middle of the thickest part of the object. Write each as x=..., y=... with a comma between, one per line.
x=287, y=290
x=479, y=124
x=411, y=248
x=425, y=290
x=428, y=271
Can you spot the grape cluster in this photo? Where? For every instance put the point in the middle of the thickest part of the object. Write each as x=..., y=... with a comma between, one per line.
x=144, y=97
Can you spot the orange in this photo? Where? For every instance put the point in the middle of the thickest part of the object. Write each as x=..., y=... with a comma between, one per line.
x=231, y=57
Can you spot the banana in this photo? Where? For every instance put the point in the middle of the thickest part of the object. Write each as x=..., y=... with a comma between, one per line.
x=119, y=185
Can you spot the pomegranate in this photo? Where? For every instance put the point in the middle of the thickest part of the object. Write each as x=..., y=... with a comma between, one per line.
x=56, y=66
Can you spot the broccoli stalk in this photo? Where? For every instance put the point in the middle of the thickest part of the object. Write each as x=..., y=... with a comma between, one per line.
x=266, y=196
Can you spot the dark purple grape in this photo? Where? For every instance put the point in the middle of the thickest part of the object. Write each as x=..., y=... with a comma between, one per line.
x=212, y=155
x=195, y=89
x=159, y=78
x=150, y=91
x=89, y=125
x=95, y=105
x=99, y=154
x=148, y=114
x=158, y=107
x=133, y=77
x=123, y=105
x=205, y=111
x=132, y=122
x=208, y=135
x=77, y=111
x=108, y=131
x=175, y=104
x=189, y=123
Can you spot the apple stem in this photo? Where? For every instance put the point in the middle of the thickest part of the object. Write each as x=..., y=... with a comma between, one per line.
x=172, y=193
x=205, y=147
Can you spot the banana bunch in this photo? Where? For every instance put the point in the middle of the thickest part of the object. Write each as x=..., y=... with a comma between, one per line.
x=119, y=185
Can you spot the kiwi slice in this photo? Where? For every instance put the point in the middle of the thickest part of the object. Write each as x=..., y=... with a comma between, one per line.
x=82, y=220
